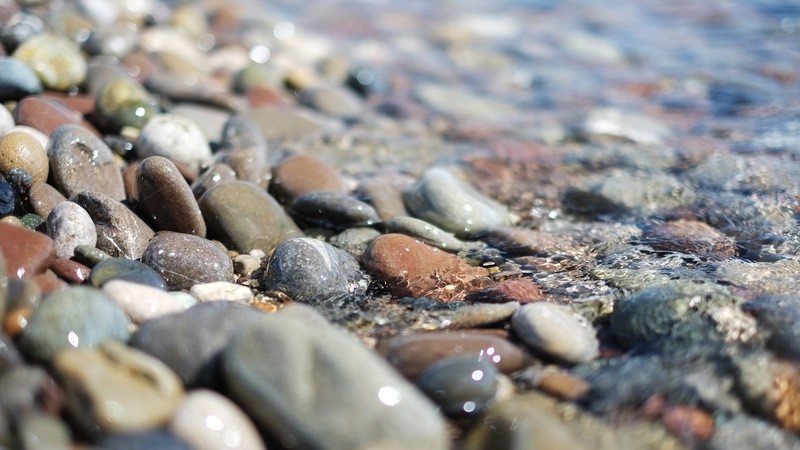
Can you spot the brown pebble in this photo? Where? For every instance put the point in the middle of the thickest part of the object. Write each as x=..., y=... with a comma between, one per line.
x=166, y=199
x=523, y=290
x=120, y=232
x=46, y=115
x=48, y=282
x=16, y=320
x=43, y=198
x=22, y=150
x=217, y=174
x=303, y=174
x=184, y=260
x=690, y=424
x=690, y=236
x=563, y=386
x=129, y=180
x=27, y=252
x=385, y=198
x=70, y=271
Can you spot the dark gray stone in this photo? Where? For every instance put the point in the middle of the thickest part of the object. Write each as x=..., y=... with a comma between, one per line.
x=127, y=270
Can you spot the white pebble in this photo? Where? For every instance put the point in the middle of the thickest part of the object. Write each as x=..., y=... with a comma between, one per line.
x=221, y=291
x=141, y=302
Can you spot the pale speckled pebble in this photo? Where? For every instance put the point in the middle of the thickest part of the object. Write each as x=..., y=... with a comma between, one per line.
x=221, y=291
x=207, y=420
x=70, y=226
x=174, y=137
x=141, y=302
x=556, y=331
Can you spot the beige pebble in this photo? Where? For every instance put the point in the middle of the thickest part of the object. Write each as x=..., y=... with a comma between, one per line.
x=141, y=302
x=221, y=291
x=25, y=152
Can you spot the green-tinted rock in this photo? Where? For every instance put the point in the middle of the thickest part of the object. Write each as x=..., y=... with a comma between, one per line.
x=56, y=60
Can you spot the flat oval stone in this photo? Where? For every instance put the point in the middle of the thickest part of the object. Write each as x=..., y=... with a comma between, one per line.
x=174, y=137
x=70, y=226
x=57, y=61
x=21, y=150
x=43, y=198
x=332, y=210
x=184, y=260
x=221, y=291
x=141, y=302
x=461, y=385
x=209, y=421
x=17, y=80
x=166, y=199
x=692, y=237
x=311, y=271
x=26, y=252
x=425, y=232
x=244, y=217
x=81, y=162
x=303, y=174
x=446, y=201
x=412, y=354
x=75, y=317
x=126, y=270
x=413, y=269
x=217, y=174
x=117, y=388
x=556, y=331
x=190, y=342
x=120, y=232
x=70, y=271
x=285, y=394
x=46, y=115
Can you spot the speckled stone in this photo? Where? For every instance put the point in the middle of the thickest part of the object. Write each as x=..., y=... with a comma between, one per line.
x=286, y=396
x=355, y=240
x=26, y=252
x=3, y=284
x=141, y=302
x=166, y=199
x=244, y=217
x=56, y=60
x=23, y=151
x=70, y=225
x=303, y=174
x=333, y=211
x=17, y=80
x=221, y=291
x=126, y=270
x=184, y=260
x=460, y=385
x=176, y=138
x=75, y=317
x=556, y=331
x=425, y=232
x=117, y=388
x=446, y=201
x=81, y=162
x=120, y=232
x=209, y=421
x=43, y=198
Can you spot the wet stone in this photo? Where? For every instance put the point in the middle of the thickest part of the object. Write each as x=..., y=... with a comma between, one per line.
x=82, y=162
x=90, y=255
x=690, y=237
x=8, y=198
x=522, y=290
x=410, y=268
x=355, y=240
x=123, y=102
x=166, y=199
x=141, y=302
x=311, y=271
x=126, y=270
x=244, y=217
x=441, y=198
x=57, y=61
x=46, y=115
x=221, y=291
x=20, y=150
x=460, y=385
x=331, y=210
x=26, y=252
x=425, y=232
x=556, y=331
x=120, y=232
x=245, y=264
x=303, y=174
x=71, y=271
x=117, y=388
x=215, y=175
x=70, y=225
x=75, y=317
x=184, y=260
x=776, y=316
x=190, y=342
x=176, y=138
x=285, y=396
x=43, y=198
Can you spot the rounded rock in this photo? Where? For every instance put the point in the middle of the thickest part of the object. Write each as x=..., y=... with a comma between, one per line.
x=215, y=175
x=333, y=101
x=123, y=102
x=221, y=291
x=57, y=61
x=120, y=232
x=70, y=226
x=174, y=137
x=184, y=260
x=17, y=80
x=6, y=121
x=26, y=252
x=425, y=232
x=46, y=115
x=556, y=331
x=355, y=240
x=75, y=317
x=166, y=199
x=126, y=270
x=43, y=198
x=460, y=385
x=332, y=210
x=303, y=174
x=141, y=302
x=20, y=150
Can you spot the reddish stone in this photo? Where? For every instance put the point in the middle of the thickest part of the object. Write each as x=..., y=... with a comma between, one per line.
x=70, y=271
x=46, y=114
x=27, y=252
x=515, y=241
x=302, y=174
x=688, y=423
x=48, y=282
x=563, y=386
x=263, y=96
x=83, y=104
x=523, y=290
x=410, y=268
x=16, y=320
x=690, y=236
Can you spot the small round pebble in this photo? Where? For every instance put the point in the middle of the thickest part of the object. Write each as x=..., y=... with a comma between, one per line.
x=245, y=264
x=184, y=260
x=56, y=60
x=126, y=270
x=141, y=302
x=21, y=150
x=43, y=198
x=174, y=137
x=303, y=174
x=17, y=80
x=556, y=331
x=70, y=225
x=166, y=199
x=425, y=232
x=221, y=291
x=460, y=385
x=332, y=210
x=215, y=175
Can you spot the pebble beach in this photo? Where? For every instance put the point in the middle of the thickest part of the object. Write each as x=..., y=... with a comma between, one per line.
x=521, y=224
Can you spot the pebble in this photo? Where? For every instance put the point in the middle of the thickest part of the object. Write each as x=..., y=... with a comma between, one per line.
x=460, y=385
x=190, y=342
x=355, y=240
x=89, y=255
x=245, y=265
x=333, y=211
x=278, y=123
x=208, y=421
x=6, y=121
x=221, y=291
x=70, y=225
x=8, y=198
x=25, y=389
x=21, y=150
x=743, y=431
x=37, y=431
x=412, y=354
x=3, y=283
x=285, y=395
x=563, y=385
x=9, y=355
x=123, y=102
x=43, y=198
x=141, y=302
x=212, y=119
x=120, y=232
x=81, y=162
x=26, y=252
x=385, y=198
x=689, y=236
x=166, y=199
x=441, y=198
x=304, y=174
x=126, y=270
x=776, y=315
x=45, y=115
x=522, y=290
x=70, y=271
x=244, y=217
x=333, y=101
x=75, y=317
x=215, y=175
x=425, y=232
x=117, y=388
x=57, y=61
x=478, y=315
x=311, y=271
x=20, y=27
x=556, y=331
x=184, y=260
x=174, y=137
x=413, y=269
x=155, y=439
